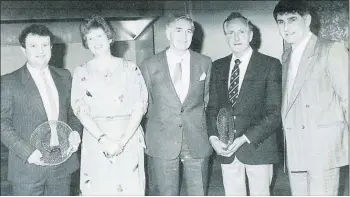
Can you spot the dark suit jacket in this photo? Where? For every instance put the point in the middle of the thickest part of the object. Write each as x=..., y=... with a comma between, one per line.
x=257, y=109
x=167, y=119
x=22, y=110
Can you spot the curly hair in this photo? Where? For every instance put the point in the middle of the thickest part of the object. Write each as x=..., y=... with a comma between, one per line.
x=95, y=22
x=34, y=29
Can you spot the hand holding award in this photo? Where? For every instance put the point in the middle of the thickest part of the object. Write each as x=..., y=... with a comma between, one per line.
x=56, y=141
x=225, y=125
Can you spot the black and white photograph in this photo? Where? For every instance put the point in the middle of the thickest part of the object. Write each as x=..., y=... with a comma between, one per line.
x=175, y=98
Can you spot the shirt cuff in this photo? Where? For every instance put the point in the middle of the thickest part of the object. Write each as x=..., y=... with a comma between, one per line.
x=213, y=137
x=246, y=139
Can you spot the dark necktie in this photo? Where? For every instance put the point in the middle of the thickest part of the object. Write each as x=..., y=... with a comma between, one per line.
x=234, y=82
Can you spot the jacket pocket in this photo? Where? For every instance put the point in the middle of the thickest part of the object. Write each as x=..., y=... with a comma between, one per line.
x=333, y=124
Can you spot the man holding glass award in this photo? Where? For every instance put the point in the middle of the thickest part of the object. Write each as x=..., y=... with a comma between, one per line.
x=35, y=107
x=243, y=113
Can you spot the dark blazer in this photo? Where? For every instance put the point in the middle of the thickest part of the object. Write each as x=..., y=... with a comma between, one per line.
x=257, y=110
x=167, y=119
x=22, y=110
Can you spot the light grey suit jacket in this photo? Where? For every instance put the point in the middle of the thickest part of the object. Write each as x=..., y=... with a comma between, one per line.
x=167, y=119
x=22, y=110
x=315, y=114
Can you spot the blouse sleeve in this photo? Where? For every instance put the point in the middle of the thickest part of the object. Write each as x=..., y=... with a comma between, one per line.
x=78, y=91
x=140, y=87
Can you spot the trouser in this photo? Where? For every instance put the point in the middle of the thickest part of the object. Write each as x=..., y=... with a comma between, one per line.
x=164, y=175
x=53, y=186
x=321, y=182
x=259, y=178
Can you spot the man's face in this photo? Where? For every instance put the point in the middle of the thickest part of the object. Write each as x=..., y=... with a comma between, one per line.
x=238, y=36
x=180, y=33
x=38, y=50
x=98, y=42
x=293, y=27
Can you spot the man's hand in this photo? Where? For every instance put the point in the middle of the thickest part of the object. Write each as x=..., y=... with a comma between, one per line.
x=238, y=142
x=74, y=141
x=34, y=158
x=219, y=147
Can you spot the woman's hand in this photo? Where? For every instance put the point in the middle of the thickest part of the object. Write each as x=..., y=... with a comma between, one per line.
x=110, y=147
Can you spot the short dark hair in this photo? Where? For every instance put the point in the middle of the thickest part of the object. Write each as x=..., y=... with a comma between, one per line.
x=235, y=15
x=175, y=18
x=300, y=7
x=95, y=22
x=291, y=6
x=34, y=29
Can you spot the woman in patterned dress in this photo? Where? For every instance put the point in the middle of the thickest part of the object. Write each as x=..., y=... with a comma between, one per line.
x=109, y=97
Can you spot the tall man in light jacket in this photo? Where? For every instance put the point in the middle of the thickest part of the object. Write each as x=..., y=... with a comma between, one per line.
x=315, y=102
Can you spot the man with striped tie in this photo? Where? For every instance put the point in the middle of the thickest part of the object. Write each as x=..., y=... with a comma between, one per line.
x=250, y=83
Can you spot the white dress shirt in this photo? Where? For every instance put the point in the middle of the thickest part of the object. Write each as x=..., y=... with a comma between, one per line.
x=173, y=59
x=242, y=67
x=40, y=84
x=295, y=59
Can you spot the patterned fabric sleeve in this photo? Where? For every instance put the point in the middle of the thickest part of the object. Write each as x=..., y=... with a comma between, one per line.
x=139, y=84
x=78, y=91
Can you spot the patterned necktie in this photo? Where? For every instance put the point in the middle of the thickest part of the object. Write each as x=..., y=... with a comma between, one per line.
x=177, y=78
x=53, y=109
x=234, y=82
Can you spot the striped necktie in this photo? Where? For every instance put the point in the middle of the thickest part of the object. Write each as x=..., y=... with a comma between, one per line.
x=234, y=82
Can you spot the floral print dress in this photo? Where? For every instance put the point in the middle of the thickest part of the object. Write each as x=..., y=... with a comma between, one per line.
x=110, y=98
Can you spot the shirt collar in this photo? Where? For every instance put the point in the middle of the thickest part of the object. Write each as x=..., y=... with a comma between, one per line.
x=173, y=56
x=245, y=57
x=37, y=71
x=303, y=43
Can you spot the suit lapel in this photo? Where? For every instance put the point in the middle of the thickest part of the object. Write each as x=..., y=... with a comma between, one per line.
x=164, y=71
x=195, y=70
x=60, y=90
x=250, y=74
x=223, y=70
x=285, y=62
x=304, y=68
x=32, y=91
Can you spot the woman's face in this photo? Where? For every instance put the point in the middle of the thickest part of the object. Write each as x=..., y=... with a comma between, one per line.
x=98, y=42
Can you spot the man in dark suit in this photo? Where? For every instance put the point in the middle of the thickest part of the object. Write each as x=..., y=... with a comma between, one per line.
x=178, y=83
x=30, y=96
x=250, y=83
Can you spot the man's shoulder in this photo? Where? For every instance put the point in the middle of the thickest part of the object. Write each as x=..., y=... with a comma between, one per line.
x=263, y=58
x=12, y=76
x=332, y=44
x=153, y=58
x=223, y=60
x=61, y=71
x=199, y=55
